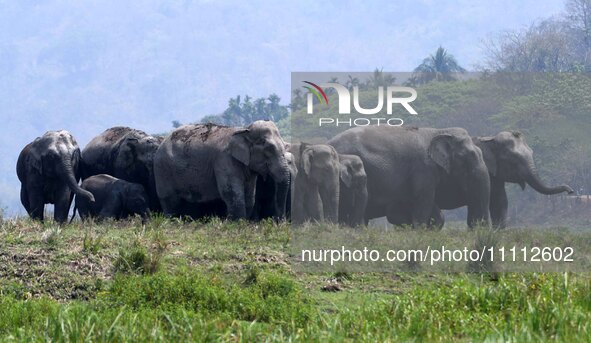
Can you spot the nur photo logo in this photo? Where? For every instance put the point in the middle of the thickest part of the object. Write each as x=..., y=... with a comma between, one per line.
x=389, y=96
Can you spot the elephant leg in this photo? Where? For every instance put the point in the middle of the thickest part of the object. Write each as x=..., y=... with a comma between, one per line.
x=437, y=219
x=171, y=205
x=36, y=203
x=360, y=203
x=249, y=195
x=113, y=207
x=346, y=207
x=62, y=205
x=330, y=203
x=422, y=209
x=288, y=205
x=312, y=203
x=231, y=191
x=25, y=198
x=498, y=204
x=297, y=205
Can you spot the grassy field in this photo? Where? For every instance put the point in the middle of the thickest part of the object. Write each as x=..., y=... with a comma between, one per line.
x=203, y=281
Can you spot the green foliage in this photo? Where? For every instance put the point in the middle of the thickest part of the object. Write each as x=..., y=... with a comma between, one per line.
x=242, y=113
x=438, y=67
x=51, y=235
x=91, y=243
x=271, y=298
x=137, y=258
x=534, y=307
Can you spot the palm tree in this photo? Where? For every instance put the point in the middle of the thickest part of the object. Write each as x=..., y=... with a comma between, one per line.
x=330, y=91
x=379, y=79
x=439, y=67
x=352, y=82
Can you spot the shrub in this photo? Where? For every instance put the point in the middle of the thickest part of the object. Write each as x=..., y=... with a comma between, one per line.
x=91, y=244
x=138, y=259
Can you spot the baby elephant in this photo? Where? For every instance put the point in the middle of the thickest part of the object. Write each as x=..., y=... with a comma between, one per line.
x=114, y=198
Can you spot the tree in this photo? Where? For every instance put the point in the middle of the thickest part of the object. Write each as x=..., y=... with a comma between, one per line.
x=380, y=79
x=578, y=14
x=439, y=67
x=352, y=82
x=243, y=112
x=557, y=44
x=543, y=47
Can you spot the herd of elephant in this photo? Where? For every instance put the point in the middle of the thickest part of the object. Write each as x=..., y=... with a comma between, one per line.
x=406, y=174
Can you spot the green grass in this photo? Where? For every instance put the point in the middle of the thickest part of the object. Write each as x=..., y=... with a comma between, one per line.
x=204, y=281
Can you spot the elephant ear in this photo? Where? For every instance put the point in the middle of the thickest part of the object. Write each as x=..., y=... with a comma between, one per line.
x=36, y=163
x=127, y=153
x=440, y=151
x=239, y=146
x=307, y=161
x=346, y=176
x=488, y=155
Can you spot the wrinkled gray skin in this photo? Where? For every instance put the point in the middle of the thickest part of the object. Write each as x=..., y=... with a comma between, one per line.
x=509, y=159
x=316, y=191
x=266, y=194
x=353, y=191
x=405, y=166
x=114, y=198
x=124, y=153
x=202, y=164
x=48, y=171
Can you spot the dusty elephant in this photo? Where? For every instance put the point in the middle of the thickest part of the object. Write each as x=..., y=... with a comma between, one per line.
x=48, y=171
x=124, y=153
x=353, y=191
x=199, y=164
x=316, y=190
x=114, y=198
x=266, y=193
x=405, y=166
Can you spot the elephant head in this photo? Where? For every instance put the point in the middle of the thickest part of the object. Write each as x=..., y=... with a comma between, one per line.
x=464, y=165
x=261, y=148
x=510, y=159
x=352, y=171
x=58, y=154
x=135, y=161
x=319, y=164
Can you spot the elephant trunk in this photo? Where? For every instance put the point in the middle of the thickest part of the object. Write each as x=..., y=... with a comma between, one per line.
x=533, y=179
x=67, y=174
x=281, y=177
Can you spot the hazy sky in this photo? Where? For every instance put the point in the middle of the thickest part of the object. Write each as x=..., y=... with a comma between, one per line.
x=85, y=66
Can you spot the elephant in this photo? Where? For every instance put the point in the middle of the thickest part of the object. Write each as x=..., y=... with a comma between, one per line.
x=509, y=159
x=124, y=153
x=205, y=163
x=405, y=166
x=353, y=191
x=48, y=169
x=264, y=205
x=316, y=190
x=114, y=198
